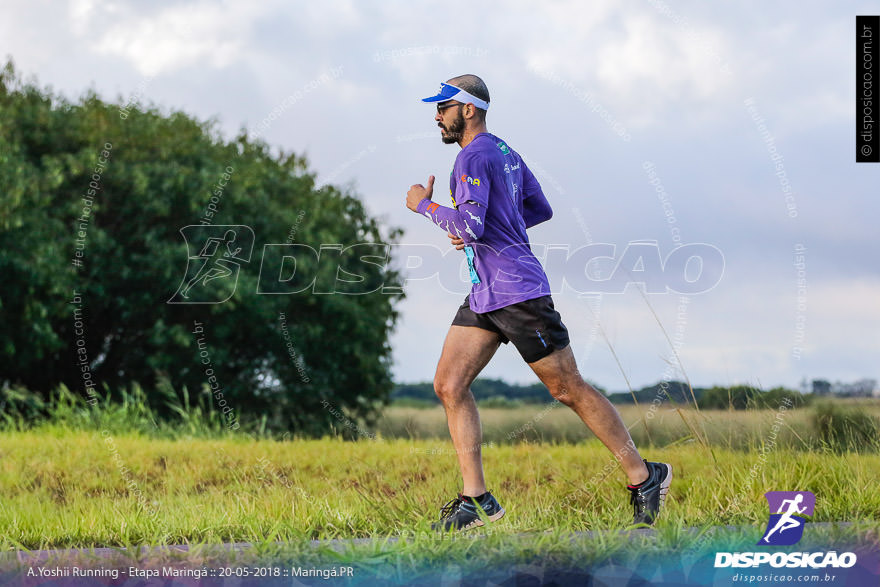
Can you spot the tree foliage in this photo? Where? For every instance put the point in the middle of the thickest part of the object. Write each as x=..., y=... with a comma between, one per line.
x=162, y=170
x=741, y=397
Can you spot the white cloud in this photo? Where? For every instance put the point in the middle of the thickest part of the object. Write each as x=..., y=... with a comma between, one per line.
x=637, y=64
x=199, y=33
x=658, y=58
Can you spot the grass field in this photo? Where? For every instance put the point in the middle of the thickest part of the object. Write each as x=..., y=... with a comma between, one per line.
x=62, y=488
x=111, y=477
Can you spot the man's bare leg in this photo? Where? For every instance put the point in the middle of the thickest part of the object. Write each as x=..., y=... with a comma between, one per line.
x=559, y=372
x=465, y=352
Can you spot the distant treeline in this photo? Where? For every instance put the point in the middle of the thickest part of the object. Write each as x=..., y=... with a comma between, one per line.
x=495, y=392
x=491, y=390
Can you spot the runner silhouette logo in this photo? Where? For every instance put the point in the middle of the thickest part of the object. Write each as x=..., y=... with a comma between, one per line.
x=214, y=258
x=787, y=510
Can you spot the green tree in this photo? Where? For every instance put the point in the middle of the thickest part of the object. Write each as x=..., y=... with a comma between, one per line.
x=161, y=172
x=737, y=397
x=779, y=396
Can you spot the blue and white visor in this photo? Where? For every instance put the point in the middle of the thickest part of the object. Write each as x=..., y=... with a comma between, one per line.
x=450, y=92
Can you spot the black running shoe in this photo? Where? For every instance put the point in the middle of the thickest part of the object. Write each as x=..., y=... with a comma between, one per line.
x=647, y=497
x=462, y=514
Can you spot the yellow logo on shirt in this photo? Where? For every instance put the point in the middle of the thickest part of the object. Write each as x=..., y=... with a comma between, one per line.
x=470, y=180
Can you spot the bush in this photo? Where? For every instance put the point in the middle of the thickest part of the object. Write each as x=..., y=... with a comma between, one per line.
x=841, y=428
x=106, y=320
x=499, y=401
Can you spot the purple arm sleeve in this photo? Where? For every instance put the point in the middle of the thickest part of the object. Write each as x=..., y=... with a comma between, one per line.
x=536, y=209
x=466, y=221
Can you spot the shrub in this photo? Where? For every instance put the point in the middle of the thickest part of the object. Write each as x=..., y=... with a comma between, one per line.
x=842, y=428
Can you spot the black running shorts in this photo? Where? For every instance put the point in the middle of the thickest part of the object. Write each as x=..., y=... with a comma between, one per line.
x=534, y=326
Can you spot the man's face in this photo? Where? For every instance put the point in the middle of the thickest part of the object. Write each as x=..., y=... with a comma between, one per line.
x=450, y=120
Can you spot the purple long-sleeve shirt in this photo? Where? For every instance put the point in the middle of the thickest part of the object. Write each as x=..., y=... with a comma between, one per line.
x=496, y=198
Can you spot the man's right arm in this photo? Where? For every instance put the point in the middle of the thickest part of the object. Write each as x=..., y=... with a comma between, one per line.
x=466, y=221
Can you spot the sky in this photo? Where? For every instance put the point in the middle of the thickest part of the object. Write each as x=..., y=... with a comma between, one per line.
x=706, y=148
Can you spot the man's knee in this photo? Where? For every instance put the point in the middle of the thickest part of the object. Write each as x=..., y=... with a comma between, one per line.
x=573, y=390
x=448, y=390
x=562, y=392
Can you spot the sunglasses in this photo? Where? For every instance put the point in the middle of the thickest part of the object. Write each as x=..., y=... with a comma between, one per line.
x=444, y=106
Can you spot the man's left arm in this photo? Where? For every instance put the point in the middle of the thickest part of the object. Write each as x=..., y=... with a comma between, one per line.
x=536, y=208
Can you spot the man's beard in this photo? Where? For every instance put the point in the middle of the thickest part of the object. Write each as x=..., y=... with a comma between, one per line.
x=455, y=130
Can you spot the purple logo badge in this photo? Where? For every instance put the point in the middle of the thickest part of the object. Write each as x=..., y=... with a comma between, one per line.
x=787, y=510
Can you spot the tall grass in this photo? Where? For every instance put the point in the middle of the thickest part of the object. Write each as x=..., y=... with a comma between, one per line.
x=128, y=411
x=847, y=426
x=836, y=426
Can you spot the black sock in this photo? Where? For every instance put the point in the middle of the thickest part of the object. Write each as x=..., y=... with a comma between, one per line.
x=637, y=485
x=477, y=498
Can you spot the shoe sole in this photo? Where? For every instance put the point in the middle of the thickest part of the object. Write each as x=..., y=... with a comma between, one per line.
x=479, y=521
x=664, y=485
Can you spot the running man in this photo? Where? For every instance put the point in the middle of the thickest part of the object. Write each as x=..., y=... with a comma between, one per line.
x=215, y=264
x=495, y=198
x=786, y=520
